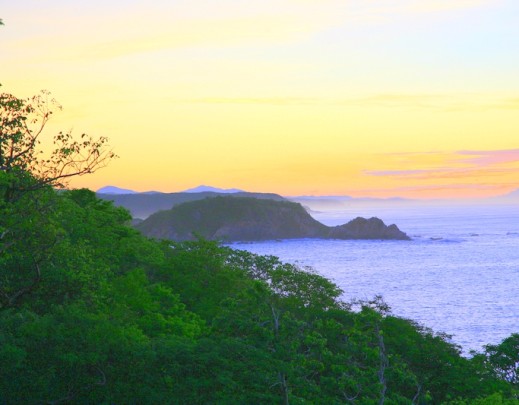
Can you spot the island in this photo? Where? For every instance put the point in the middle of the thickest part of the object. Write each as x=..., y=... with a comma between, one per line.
x=233, y=219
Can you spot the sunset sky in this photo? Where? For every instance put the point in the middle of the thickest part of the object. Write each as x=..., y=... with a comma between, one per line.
x=327, y=97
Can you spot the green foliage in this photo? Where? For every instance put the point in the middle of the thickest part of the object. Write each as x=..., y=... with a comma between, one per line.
x=126, y=319
x=233, y=218
x=95, y=311
x=22, y=124
x=91, y=311
x=503, y=359
x=494, y=399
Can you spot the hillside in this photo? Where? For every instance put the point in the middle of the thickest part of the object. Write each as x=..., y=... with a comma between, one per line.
x=117, y=318
x=233, y=218
x=142, y=205
x=250, y=219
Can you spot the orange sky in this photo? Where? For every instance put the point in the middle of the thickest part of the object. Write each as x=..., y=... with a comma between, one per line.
x=364, y=98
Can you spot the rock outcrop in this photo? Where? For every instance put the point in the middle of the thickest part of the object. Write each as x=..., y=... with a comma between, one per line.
x=362, y=228
x=249, y=219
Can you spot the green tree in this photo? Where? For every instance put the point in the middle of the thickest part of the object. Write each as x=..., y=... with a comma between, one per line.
x=28, y=172
x=93, y=312
x=503, y=359
x=22, y=125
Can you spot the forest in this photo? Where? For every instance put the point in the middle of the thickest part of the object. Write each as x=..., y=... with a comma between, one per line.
x=91, y=311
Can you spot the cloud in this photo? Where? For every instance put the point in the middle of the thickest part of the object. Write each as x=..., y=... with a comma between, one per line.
x=492, y=163
x=396, y=173
x=488, y=158
x=444, y=190
x=457, y=186
x=253, y=100
x=443, y=173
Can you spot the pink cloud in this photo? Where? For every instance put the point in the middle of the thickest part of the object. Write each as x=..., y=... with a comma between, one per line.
x=488, y=158
x=483, y=163
x=443, y=172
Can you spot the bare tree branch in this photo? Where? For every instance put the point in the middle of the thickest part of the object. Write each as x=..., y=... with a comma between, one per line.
x=384, y=363
x=22, y=123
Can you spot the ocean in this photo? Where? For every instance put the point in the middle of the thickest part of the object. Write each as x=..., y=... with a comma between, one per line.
x=459, y=274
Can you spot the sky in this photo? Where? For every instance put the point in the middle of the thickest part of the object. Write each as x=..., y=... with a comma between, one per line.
x=367, y=98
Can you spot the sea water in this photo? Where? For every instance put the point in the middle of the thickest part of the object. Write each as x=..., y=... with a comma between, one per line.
x=459, y=274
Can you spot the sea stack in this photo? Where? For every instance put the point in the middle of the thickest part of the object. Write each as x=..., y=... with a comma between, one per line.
x=362, y=228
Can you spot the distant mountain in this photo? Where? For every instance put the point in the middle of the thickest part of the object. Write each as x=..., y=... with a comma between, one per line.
x=204, y=189
x=142, y=205
x=249, y=219
x=115, y=190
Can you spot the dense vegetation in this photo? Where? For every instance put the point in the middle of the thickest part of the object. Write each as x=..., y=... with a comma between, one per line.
x=91, y=311
x=235, y=218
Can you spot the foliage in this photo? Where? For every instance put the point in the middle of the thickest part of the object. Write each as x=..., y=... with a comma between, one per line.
x=22, y=124
x=233, y=218
x=91, y=311
x=126, y=319
x=30, y=232
x=503, y=359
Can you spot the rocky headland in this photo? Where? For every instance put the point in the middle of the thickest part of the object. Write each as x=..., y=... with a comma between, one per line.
x=232, y=219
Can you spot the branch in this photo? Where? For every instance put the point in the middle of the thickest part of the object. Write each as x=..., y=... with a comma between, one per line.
x=353, y=398
x=418, y=392
x=7, y=245
x=384, y=362
x=275, y=316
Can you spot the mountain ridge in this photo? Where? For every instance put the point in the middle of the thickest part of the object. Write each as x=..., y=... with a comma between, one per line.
x=142, y=205
x=115, y=190
x=203, y=188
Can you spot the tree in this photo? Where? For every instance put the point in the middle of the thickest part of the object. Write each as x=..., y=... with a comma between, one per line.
x=28, y=173
x=503, y=359
x=22, y=123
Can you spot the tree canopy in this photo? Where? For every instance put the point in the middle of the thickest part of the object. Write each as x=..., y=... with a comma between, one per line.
x=91, y=311
x=22, y=125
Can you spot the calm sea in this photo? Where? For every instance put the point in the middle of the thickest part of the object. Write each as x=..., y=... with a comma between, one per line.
x=459, y=274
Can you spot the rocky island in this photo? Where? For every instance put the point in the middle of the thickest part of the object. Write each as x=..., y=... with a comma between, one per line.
x=232, y=219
